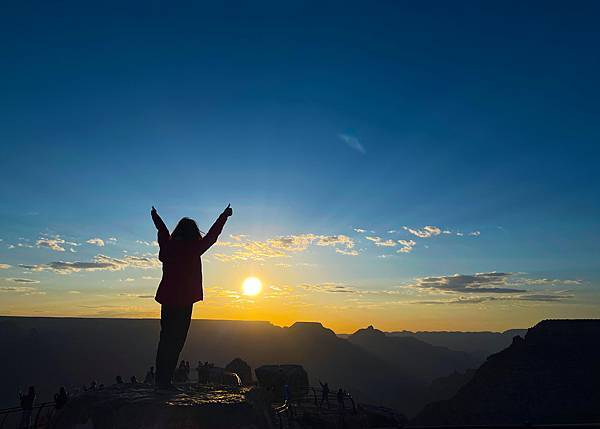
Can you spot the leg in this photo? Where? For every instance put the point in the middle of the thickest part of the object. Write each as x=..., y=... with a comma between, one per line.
x=174, y=322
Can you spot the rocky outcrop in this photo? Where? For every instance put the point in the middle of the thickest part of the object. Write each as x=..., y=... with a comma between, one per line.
x=242, y=369
x=140, y=406
x=550, y=376
x=273, y=378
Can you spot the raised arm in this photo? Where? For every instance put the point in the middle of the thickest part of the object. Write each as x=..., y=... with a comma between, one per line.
x=213, y=233
x=163, y=232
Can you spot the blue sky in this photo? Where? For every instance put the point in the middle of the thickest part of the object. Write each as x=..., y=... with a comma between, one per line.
x=309, y=118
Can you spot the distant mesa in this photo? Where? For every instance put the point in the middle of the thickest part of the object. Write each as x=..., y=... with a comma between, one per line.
x=311, y=328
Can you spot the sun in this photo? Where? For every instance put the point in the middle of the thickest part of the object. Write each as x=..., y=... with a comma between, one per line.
x=252, y=286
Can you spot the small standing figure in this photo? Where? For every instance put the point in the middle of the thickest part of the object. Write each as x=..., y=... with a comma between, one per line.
x=340, y=399
x=61, y=398
x=119, y=379
x=149, y=379
x=133, y=379
x=27, y=407
x=324, y=393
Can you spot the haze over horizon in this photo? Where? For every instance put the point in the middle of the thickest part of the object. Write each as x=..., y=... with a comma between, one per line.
x=412, y=166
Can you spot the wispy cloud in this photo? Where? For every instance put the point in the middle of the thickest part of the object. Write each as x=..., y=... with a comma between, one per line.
x=329, y=287
x=51, y=243
x=547, y=297
x=96, y=242
x=487, y=283
x=407, y=246
x=347, y=252
x=378, y=241
x=23, y=290
x=353, y=142
x=147, y=243
x=99, y=263
x=22, y=280
x=425, y=232
x=281, y=247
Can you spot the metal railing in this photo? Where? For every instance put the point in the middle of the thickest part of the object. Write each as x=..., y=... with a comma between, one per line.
x=314, y=402
x=40, y=416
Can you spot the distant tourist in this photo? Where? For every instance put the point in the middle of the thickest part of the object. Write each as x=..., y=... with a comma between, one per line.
x=133, y=379
x=27, y=407
x=61, y=398
x=119, y=379
x=340, y=398
x=286, y=392
x=180, y=286
x=324, y=393
x=180, y=373
x=149, y=379
x=187, y=370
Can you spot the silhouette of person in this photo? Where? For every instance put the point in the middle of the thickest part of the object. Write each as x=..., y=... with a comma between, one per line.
x=27, y=407
x=133, y=379
x=324, y=393
x=119, y=379
x=180, y=286
x=61, y=398
x=180, y=372
x=149, y=379
x=340, y=398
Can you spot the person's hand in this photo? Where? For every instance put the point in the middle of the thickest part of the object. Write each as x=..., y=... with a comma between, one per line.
x=228, y=210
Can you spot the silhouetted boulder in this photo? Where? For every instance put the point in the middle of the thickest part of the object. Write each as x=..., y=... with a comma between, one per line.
x=242, y=369
x=140, y=406
x=273, y=378
x=550, y=376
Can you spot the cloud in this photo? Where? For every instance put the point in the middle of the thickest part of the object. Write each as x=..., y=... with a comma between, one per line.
x=112, y=239
x=347, y=252
x=378, y=241
x=407, y=246
x=489, y=283
x=74, y=292
x=134, y=295
x=547, y=297
x=51, y=243
x=475, y=233
x=329, y=287
x=425, y=232
x=23, y=290
x=352, y=142
x=280, y=247
x=96, y=241
x=4, y=266
x=359, y=230
x=21, y=280
x=99, y=263
x=147, y=243
x=492, y=282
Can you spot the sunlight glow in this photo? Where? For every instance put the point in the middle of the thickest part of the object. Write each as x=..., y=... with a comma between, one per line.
x=252, y=286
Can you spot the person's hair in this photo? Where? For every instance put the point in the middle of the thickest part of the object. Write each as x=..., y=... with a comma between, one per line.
x=186, y=229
